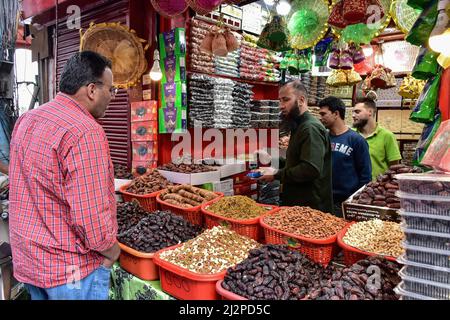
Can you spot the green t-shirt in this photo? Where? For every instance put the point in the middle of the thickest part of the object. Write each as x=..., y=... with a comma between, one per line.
x=383, y=148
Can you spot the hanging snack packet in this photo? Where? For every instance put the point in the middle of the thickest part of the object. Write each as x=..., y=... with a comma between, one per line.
x=427, y=103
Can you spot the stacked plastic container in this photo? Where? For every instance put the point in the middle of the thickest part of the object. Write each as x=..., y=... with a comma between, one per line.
x=425, y=203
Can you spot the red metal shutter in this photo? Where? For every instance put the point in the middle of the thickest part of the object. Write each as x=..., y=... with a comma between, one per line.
x=117, y=119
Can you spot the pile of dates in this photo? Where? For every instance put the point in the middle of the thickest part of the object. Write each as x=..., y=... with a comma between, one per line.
x=122, y=172
x=128, y=215
x=372, y=279
x=274, y=272
x=186, y=168
x=381, y=192
x=148, y=183
x=158, y=230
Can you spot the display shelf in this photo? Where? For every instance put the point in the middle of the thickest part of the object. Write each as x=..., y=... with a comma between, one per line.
x=273, y=84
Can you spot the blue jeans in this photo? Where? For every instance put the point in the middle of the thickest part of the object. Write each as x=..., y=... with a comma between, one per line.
x=94, y=287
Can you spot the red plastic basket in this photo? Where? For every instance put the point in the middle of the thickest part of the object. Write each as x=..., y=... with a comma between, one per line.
x=184, y=284
x=147, y=201
x=227, y=295
x=138, y=263
x=250, y=228
x=352, y=254
x=318, y=250
x=193, y=215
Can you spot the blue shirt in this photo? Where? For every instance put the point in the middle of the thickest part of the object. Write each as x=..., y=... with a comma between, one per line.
x=352, y=167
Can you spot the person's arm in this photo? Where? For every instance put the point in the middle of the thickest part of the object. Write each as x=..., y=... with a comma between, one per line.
x=393, y=155
x=313, y=149
x=4, y=168
x=362, y=162
x=87, y=188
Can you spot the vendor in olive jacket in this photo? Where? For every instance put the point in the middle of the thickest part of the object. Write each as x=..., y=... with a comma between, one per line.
x=306, y=172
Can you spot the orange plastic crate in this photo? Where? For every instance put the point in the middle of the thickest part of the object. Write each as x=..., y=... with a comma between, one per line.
x=184, y=284
x=318, y=250
x=352, y=254
x=250, y=228
x=147, y=201
x=193, y=215
x=227, y=295
x=138, y=263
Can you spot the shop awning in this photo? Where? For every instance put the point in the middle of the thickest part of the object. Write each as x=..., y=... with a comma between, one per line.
x=33, y=8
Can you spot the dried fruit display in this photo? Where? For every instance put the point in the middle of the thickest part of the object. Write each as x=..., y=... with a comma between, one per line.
x=151, y=182
x=211, y=252
x=381, y=192
x=376, y=236
x=186, y=168
x=372, y=279
x=187, y=196
x=122, y=172
x=158, y=230
x=237, y=207
x=128, y=215
x=306, y=222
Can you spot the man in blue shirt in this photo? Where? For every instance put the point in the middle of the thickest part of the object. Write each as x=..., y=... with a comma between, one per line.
x=350, y=153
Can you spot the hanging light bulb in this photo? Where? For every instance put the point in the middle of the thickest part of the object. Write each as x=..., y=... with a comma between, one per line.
x=439, y=38
x=283, y=8
x=155, y=72
x=269, y=2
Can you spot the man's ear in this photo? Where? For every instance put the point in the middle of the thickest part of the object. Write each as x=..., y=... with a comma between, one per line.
x=90, y=91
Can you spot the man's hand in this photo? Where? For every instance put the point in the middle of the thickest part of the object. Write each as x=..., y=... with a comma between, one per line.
x=111, y=255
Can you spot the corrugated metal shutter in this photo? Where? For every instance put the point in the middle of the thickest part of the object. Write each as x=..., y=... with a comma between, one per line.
x=116, y=121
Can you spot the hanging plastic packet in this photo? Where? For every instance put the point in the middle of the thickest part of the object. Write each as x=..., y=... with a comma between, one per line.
x=418, y=4
x=423, y=26
x=427, y=103
x=427, y=136
x=426, y=64
x=321, y=51
x=438, y=154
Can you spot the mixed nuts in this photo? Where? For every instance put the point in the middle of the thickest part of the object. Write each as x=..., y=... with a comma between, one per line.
x=237, y=207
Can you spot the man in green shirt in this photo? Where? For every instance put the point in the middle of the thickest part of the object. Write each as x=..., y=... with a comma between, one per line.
x=383, y=146
x=305, y=174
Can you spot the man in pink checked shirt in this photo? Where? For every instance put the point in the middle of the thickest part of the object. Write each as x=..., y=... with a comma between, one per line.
x=62, y=208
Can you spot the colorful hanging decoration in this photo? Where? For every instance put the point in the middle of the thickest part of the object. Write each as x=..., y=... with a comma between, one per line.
x=345, y=56
x=421, y=30
x=322, y=51
x=380, y=78
x=169, y=8
x=411, y=88
x=203, y=6
x=341, y=78
x=403, y=15
x=274, y=35
x=361, y=32
x=219, y=41
x=307, y=23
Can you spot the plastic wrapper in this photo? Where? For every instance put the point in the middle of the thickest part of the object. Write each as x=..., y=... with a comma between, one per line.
x=427, y=103
x=426, y=64
x=421, y=30
x=425, y=139
x=438, y=154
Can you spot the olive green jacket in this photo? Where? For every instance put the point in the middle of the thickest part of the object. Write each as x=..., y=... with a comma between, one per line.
x=306, y=172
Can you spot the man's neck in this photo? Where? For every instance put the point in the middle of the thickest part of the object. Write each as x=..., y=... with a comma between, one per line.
x=338, y=128
x=369, y=128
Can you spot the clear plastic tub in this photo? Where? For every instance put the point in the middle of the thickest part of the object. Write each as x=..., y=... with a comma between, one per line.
x=406, y=295
x=428, y=239
x=438, y=258
x=425, y=271
x=424, y=287
x=426, y=222
x=433, y=184
x=432, y=205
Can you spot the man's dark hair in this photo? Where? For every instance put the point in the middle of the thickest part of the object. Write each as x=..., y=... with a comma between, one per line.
x=81, y=69
x=298, y=86
x=334, y=104
x=368, y=103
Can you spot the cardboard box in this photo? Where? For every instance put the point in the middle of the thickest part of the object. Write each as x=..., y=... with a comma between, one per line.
x=172, y=43
x=245, y=188
x=172, y=120
x=225, y=186
x=143, y=167
x=174, y=95
x=241, y=178
x=173, y=69
x=145, y=151
x=144, y=131
x=362, y=212
x=144, y=111
x=194, y=179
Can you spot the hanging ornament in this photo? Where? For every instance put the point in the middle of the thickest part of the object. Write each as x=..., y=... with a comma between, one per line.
x=204, y=6
x=169, y=8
